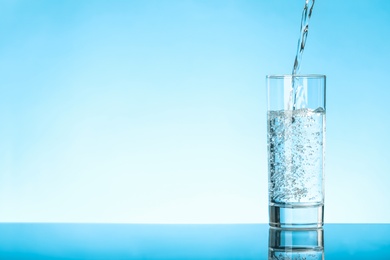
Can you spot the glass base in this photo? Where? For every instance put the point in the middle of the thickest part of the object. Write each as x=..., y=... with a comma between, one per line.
x=296, y=217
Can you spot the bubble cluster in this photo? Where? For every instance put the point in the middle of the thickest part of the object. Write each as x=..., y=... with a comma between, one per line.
x=296, y=151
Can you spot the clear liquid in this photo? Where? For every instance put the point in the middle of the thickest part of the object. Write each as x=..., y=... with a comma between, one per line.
x=306, y=14
x=296, y=91
x=296, y=150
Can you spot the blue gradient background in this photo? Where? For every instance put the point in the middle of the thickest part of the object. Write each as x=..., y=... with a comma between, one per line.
x=154, y=111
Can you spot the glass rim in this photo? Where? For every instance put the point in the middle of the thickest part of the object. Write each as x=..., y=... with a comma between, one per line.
x=282, y=76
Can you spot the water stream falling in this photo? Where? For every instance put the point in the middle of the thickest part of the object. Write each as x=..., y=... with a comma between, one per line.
x=306, y=14
x=297, y=93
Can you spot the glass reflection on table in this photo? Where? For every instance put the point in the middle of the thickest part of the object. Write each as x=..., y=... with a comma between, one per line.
x=288, y=244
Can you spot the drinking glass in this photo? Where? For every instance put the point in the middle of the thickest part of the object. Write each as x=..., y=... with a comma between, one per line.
x=296, y=148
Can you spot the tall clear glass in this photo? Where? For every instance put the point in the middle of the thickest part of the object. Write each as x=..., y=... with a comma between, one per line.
x=296, y=149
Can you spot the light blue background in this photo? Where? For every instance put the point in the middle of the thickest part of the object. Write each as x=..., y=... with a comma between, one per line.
x=154, y=111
